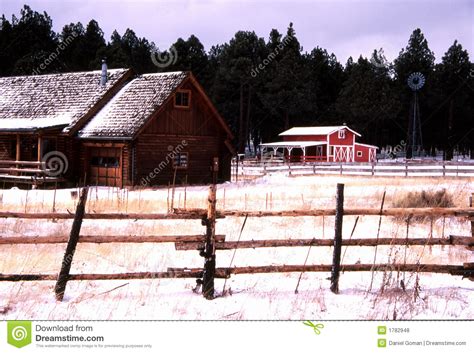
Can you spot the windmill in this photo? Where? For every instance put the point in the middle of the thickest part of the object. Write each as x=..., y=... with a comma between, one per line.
x=416, y=80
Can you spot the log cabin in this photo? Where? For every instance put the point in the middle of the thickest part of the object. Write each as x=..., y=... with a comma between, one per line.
x=112, y=128
x=322, y=144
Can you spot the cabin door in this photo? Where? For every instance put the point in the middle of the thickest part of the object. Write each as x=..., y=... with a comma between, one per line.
x=105, y=166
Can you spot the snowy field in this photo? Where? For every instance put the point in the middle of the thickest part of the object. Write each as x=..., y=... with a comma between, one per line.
x=261, y=296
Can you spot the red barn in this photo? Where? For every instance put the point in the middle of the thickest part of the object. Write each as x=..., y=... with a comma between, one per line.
x=322, y=144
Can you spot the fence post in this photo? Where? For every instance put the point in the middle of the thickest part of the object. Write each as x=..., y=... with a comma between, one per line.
x=237, y=168
x=336, y=259
x=215, y=169
x=63, y=277
x=468, y=266
x=210, y=247
x=472, y=219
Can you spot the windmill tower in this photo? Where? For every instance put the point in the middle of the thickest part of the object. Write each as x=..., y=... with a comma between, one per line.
x=416, y=80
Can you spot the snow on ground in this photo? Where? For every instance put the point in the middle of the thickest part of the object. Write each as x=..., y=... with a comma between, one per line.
x=262, y=296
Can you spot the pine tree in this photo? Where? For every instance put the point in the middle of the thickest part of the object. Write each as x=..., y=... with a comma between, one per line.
x=368, y=101
x=416, y=57
x=456, y=100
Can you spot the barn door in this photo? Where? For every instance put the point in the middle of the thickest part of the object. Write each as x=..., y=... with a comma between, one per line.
x=343, y=154
x=105, y=166
x=372, y=156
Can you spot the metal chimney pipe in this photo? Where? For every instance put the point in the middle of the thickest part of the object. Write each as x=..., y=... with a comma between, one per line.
x=103, y=77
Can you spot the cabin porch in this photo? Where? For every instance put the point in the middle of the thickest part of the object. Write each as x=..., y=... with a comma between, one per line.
x=22, y=159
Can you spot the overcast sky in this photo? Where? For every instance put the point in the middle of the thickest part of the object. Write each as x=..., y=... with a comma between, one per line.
x=344, y=27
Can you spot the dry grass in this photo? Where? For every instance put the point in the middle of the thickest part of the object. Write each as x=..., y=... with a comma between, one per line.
x=253, y=297
x=425, y=198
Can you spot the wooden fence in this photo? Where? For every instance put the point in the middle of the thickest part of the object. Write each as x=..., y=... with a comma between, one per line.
x=248, y=170
x=208, y=244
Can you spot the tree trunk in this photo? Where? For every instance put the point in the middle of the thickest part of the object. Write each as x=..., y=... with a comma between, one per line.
x=241, y=120
x=287, y=120
x=449, y=144
x=247, y=118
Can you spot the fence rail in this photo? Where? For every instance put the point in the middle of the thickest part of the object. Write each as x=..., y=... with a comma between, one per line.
x=201, y=213
x=26, y=172
x=210, y=243
x=274, y=243
x=254, y=169
x=107, y=239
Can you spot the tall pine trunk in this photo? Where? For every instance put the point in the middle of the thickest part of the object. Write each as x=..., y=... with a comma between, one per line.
x=449, y=141
x=241, y=120
x=247, y=119
x=287, y=120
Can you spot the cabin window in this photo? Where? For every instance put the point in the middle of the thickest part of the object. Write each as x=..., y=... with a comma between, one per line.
x=49, y=145
x=359, y=153
x=331, y=150
x=105, y=162
x=180, y=160
x=182, y=99
x=341, y=134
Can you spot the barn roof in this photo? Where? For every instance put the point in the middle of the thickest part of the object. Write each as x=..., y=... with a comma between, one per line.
x=298, y=144
x=365, y=145
x=54, y=100
x=315, y=130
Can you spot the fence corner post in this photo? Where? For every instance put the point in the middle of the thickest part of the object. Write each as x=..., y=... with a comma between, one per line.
x=336, y=260
x=210, y=246
x=63, y=277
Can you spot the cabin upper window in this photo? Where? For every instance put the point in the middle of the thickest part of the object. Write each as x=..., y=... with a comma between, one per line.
x=341, y=134
x=359, y=153
x=180, y=160
x=182, y=99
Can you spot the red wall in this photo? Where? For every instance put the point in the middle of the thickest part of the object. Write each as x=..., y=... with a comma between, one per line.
x=348, y=140
x=365, y=153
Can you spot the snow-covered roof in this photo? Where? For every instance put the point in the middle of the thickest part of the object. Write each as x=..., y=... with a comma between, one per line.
x=315, y=130
x=33, y=124
x=366, y=145
x=297, y=144
x=132, y=106
x=41, y=101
